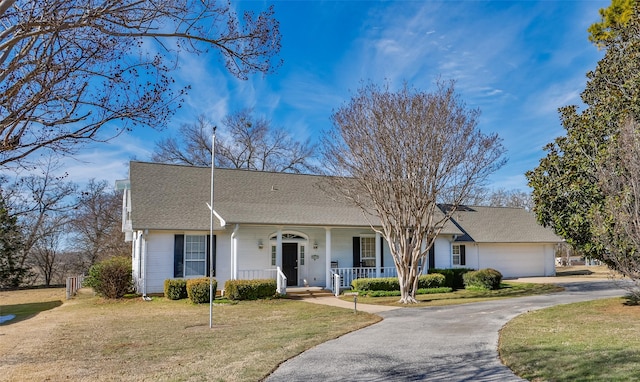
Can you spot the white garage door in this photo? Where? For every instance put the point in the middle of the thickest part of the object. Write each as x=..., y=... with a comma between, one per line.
x=514, y=260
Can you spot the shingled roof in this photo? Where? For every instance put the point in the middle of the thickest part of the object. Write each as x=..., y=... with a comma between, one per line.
x=501, y=225
x=175, y=197
x=169, y=197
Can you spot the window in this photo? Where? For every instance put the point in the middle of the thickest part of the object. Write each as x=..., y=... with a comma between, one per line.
x=273, y=255
x=302, y=255
x=458, y=253
x=195, y=254
x=368, y=251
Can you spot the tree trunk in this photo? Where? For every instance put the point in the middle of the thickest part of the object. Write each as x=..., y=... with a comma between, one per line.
x=408, y=280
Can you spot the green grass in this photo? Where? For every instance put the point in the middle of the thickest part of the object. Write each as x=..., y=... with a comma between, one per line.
x=464, y=296
x=24, y=311
x=589, y=341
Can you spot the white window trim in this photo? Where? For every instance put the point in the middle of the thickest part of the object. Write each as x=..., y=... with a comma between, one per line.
x=204, y=257
x=456, y=258
x=373, y=249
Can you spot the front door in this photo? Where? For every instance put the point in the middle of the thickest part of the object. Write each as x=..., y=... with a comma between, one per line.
x=290, y=262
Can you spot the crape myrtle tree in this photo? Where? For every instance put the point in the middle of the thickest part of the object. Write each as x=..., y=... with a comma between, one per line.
x=71, y=68
x=397, y=154
x=566, y=190
x=244, y=142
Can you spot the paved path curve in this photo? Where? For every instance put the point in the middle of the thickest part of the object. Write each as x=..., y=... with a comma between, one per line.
x=450, y=343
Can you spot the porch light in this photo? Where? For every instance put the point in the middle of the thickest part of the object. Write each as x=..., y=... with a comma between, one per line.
x=315, y=245
x=260, y=245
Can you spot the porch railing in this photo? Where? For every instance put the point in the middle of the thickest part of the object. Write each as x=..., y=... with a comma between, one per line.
x=252, y=274
x=347, y=275
x=281, y=282
x=277, y=274
x=335, y=283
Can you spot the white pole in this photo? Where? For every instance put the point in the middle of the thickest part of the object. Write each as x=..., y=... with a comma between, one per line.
x=211, y=241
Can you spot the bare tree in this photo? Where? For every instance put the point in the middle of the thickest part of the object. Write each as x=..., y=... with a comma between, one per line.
x=41, y=203
x=46, y=255
x=617, y=223
x=245, y=142
x=97, y=226
x=68, y=68
x=398, y=154
x=501, y=198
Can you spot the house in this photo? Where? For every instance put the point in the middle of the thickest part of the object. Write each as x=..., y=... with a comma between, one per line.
x=286, y=226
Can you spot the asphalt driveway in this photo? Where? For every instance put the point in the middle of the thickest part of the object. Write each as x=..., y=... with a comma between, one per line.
x=451, y=343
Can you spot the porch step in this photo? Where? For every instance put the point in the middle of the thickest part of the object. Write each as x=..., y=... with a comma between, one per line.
x=308, y=292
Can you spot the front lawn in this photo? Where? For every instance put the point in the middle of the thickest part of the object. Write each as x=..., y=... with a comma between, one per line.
x=463, y=296
x=89, y=338
x=587, y=341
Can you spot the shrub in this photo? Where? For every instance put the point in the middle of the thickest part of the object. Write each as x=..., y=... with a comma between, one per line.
x=250, y=289
x=198, y=289
x=429, y=281
x=486, y=278
x=386, y=283
x=389, y=293
x=392, y=283
x=453, y=277
x=111, y=278
x=175, y=289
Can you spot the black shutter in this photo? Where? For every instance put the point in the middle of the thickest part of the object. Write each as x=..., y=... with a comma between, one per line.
x=356, y=251
x=432, y=257
x=178, y=256
x=463, y=257
x=381, y=252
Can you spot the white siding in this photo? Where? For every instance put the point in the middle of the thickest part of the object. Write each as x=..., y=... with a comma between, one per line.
x=442, y=249
x=159, y=260
x=517, y=260
x=513, y=260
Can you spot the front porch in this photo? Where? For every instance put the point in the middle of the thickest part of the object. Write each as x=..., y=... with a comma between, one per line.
x=341, y=278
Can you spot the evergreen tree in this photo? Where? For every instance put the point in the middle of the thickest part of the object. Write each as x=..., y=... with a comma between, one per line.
x=12, y=271
x=565, y=185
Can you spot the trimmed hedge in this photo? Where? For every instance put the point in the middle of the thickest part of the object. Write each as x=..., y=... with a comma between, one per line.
x=431, y=281
x=111, y=278
x=385, y=283
x=453, y=276
x=391, y=293
x=250, y=289
x=198, y=289
x=175, y=289
x=487, y=278
x=392, y=284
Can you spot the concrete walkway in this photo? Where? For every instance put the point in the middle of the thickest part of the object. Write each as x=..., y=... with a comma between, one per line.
x=334, y=301
x=449, y=343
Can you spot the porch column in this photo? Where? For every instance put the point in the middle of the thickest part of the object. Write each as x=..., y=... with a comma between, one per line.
x=327, y=246
x=234, y=252
x=378, y=254
x=279, y=248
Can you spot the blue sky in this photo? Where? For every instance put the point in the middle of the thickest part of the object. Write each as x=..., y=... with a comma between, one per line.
x=517, y=61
